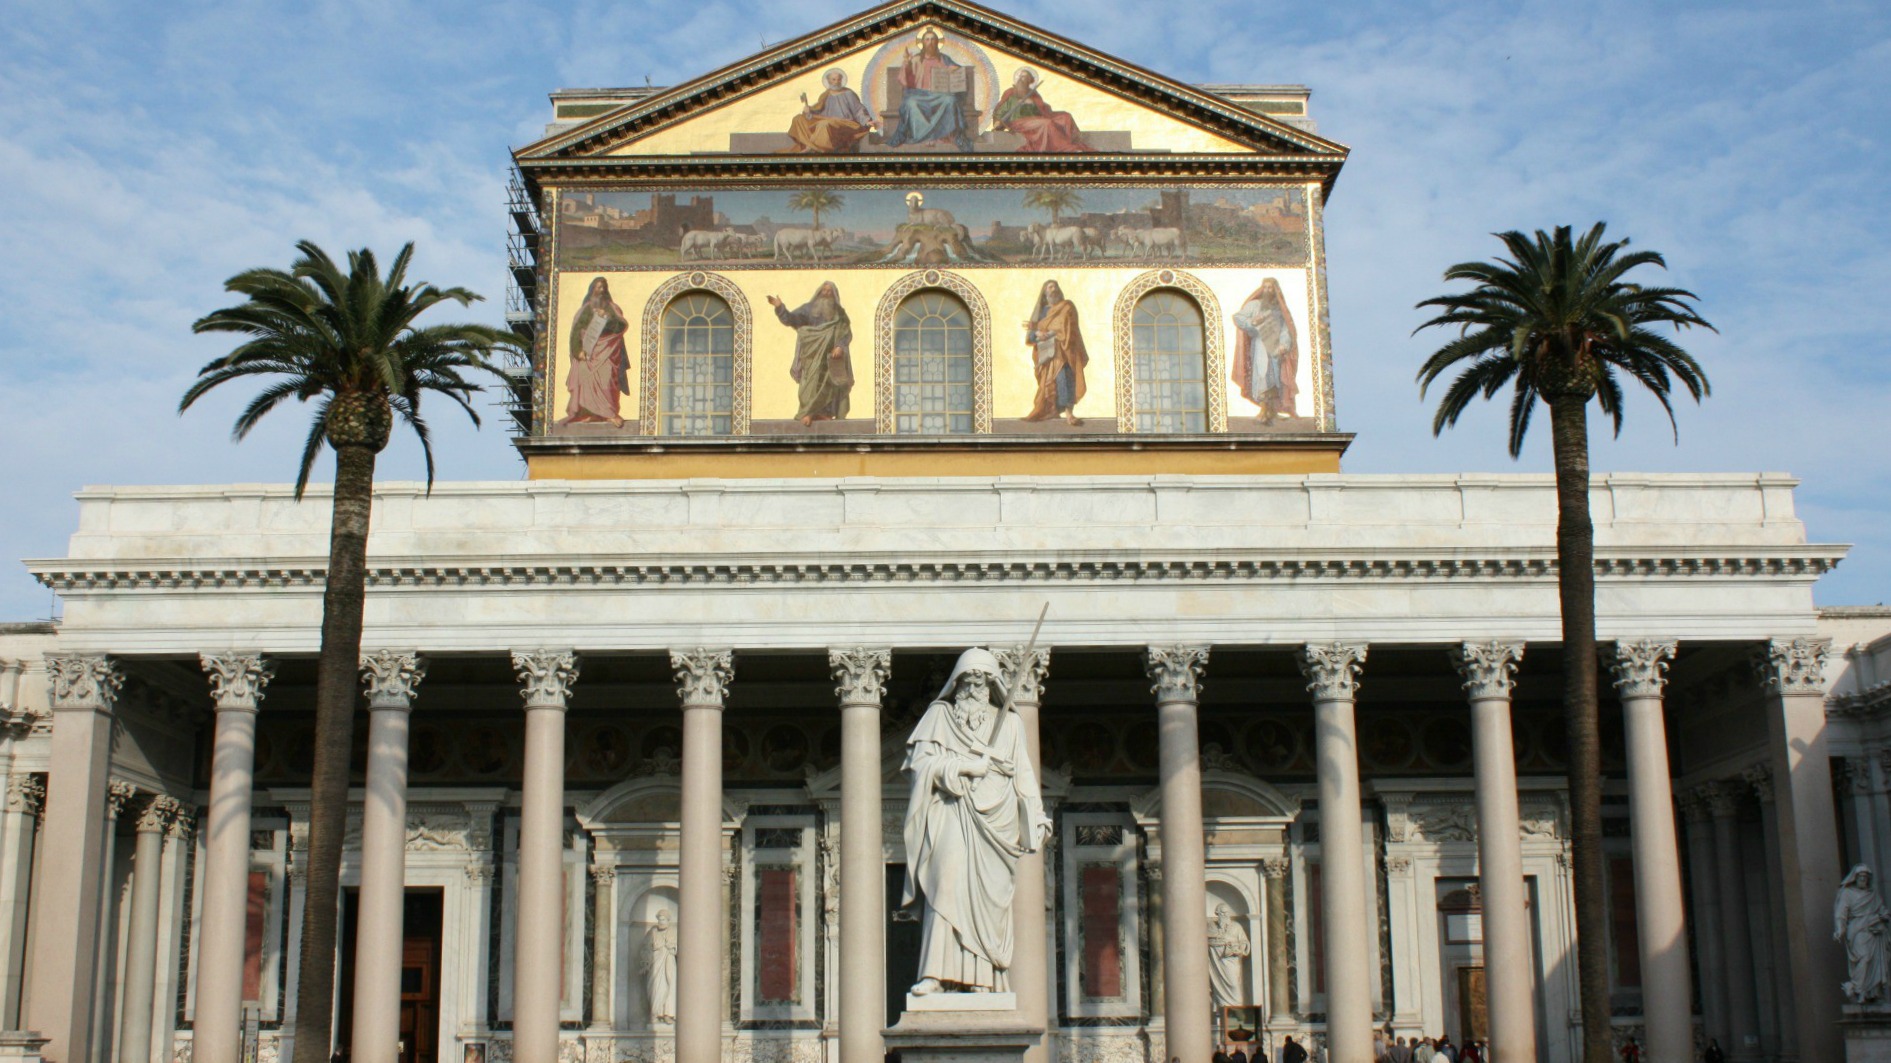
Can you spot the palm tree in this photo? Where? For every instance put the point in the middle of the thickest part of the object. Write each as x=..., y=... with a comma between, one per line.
x=817, y=200
x=349, y=342
x=1055, y=200
x=1557, y=322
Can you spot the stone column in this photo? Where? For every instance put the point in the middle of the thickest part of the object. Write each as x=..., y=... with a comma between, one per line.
x=1187, y=1010
x=1030, y=958
x=25, y=801
x=1773, y=965
x=1279, y=1000
x=1660, y=918
x=236, y=687
x=702, y=678
x=391, y=677
x=141, y=947
x=1488, y=669
x=538, y=955
x=860, y=676
x=1332, y=671
x=1792, y=673
x=1743, y=1033
x=603, y=944
x=1706, y=881
x=71, y=880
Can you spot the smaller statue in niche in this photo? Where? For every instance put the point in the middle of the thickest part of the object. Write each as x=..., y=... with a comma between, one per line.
x=1228, y=948
x=658, y=964
x=1859, y=919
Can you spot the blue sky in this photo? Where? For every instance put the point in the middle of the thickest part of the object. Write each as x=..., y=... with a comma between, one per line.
x=148, y=151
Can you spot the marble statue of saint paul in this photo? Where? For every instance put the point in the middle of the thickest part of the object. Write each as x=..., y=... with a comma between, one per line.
x=975, y=808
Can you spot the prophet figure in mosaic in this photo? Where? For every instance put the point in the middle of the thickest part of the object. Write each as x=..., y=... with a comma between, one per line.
x=1022, y=111
x=600, y=370
x=932, y=84
x=1267, y=352
x=974, y=809
x=835, y=122
x=658, y=964
x=1228, y=949
x=1058, y=356
x=822, y=366
x=1859, y=919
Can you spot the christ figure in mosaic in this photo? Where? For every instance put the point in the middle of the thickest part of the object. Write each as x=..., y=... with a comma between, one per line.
x=974, y=810
x=1267, y=352
x=1058, y=356
x=835, y=122
x=822, y=367
x=599, y=370
x=929, y=104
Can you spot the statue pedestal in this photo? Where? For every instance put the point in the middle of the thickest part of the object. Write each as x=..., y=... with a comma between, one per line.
x=1867, y=1033
x=21, y=1045
x=962, y=1028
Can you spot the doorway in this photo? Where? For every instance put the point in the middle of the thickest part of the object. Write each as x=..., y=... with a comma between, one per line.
x=421, y=919
x=902, y=944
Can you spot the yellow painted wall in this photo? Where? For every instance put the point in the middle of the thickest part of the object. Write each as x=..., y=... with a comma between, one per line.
x=771, y=108
x=1010, y=293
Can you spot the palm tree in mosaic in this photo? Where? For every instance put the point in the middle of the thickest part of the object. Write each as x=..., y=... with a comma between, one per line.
x=1054, y=200
x=349, y=342
x=816, y=200
x=1557, y=323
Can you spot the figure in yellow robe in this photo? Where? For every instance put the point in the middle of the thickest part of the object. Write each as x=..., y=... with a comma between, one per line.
x=1057, y=355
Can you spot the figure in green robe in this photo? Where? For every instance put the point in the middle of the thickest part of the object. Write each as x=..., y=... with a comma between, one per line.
x=822, y=354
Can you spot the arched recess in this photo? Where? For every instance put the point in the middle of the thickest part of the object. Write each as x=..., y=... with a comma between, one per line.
x=650, y=365
x=917, y=281
x=1214, y=356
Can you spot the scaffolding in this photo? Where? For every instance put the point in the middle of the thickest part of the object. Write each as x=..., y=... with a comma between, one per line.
x=523, y=304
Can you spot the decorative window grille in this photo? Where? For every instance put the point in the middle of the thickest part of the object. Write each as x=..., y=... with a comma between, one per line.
x=1170, y=363
x=697, y=386
x=932, y=365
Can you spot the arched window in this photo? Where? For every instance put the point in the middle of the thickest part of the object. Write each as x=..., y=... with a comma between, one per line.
x=696, y=386
x=1170, y=366
x=932, y=364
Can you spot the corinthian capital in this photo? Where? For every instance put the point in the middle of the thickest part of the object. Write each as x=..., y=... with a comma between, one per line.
x=118, y=794
x=860, y=674
x=1641, y=667
x=83, y=681
x=1489, y=669
x=703, y=676
x=158, y=814
x=236, y=679
x=391, y=678
x=1175, y=672
x=1793, y=666
x=1030, y=685
x=547, y=676
x=1332, y=669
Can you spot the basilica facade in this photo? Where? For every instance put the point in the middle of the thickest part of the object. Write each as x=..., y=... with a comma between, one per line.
x=889, y=341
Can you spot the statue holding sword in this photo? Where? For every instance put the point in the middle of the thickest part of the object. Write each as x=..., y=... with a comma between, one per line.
x=975, y=807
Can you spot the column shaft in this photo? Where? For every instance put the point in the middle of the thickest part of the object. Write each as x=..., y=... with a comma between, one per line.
x=1794, y=676
x=703, y=676
x=1705, y=878
x=861, y=675
x=603, y=945
x=1783, y=1043
x=380, y=925
x=1279, y=1000
x=1500, y=874
x=538, y=955
x=19, y=825
x=1187, y=1013
x=1661, y=923
x=236, y=685
x=71, y=881
x=1743, y=1033
x=141, y=951
x=1346, y=913
x=1030, y=959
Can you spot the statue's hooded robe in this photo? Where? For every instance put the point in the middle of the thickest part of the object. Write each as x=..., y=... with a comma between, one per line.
x=964, y=835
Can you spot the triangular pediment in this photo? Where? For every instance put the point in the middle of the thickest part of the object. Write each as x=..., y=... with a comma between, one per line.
x=964, y=68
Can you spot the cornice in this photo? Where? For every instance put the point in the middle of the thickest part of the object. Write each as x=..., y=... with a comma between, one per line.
x=911, y=568
x=934, y=167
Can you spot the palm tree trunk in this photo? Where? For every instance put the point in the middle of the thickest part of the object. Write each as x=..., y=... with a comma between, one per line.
x=1576, y=591
x=337, y=681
